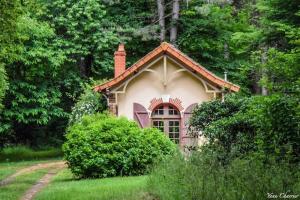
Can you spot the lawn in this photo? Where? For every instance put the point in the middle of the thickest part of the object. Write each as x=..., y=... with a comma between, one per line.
x=64, y=187
x=18, y=187
x=8, y=168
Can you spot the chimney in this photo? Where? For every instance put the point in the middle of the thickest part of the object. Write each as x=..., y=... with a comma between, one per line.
x=120, y=60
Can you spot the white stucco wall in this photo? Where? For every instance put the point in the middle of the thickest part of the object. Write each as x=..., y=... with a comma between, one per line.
x=149, y=85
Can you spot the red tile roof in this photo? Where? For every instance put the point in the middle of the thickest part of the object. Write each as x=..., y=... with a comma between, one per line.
x=170, y=50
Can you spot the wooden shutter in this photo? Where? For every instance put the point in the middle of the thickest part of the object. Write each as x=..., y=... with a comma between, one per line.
x=186, y=116
x=141, y=115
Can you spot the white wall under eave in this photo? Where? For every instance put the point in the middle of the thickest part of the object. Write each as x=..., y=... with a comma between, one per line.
x=149, y=85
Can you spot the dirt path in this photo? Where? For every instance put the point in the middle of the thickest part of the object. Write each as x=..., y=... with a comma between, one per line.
x=59, y=165
x=43, y=182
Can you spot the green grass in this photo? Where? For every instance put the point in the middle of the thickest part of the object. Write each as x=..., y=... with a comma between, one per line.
x=8, y=168
x=64, y=187
x=21, y=153
x=22, y=183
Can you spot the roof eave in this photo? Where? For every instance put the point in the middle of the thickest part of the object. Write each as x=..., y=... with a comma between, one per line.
x=172, y=51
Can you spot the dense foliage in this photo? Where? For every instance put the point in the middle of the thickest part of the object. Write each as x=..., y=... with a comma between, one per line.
x=36, y=102
x=101, y=145
x=85, y=33
x=50, y=48
x=9, y=14
x=251, y=151
x=266, y=125
x=252, y=147
x=202, y=176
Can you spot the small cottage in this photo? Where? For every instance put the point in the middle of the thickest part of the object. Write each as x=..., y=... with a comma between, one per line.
x=161, y=90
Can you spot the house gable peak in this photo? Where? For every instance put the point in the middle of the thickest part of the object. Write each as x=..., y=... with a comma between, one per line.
x=170, y=50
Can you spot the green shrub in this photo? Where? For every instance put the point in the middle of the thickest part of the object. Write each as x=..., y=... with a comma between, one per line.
x=101, y=145
x=240, y=125
x=202, y=176
x=88, y=103
x=208, y=112
x=20, y=153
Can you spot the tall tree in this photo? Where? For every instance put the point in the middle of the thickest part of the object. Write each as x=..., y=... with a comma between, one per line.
x=161, y=18
x=280, y=21
x=41, y=88
x=10, y=11
x=137, y=24
x=86, y=33
x=174, y=22
x=3, y=83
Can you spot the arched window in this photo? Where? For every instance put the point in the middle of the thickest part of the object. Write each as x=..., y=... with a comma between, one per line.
x=166, y=117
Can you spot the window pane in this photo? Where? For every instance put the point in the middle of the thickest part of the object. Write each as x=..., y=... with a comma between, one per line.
x=159, y=125
x=160, y=112
x=173, y=111
x=172, y=128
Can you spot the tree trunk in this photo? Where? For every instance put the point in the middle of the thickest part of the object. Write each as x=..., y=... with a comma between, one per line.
x=264, y=58
x=85, y=64
x=174, y=22
x=255, y=80
x=82, y=68
x=226, y=51
x=161, y=18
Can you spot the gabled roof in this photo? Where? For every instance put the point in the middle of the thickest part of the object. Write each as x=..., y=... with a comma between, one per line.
x=170, y=50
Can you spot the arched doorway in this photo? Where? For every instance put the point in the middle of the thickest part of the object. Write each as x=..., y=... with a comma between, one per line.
x=166, y=117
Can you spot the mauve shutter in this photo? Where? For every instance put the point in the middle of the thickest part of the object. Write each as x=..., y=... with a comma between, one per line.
x=140, y=115
x=186, y=116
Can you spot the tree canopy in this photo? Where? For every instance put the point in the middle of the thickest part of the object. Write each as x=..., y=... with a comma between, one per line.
x=50, y=50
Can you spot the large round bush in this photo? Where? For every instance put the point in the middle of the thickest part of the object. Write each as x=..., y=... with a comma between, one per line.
x=101, y=145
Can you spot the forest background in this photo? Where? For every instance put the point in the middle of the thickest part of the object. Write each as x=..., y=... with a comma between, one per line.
x=51, y=51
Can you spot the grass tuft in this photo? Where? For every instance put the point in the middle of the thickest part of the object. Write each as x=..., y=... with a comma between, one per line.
x=21, y=153
x=202, y=176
